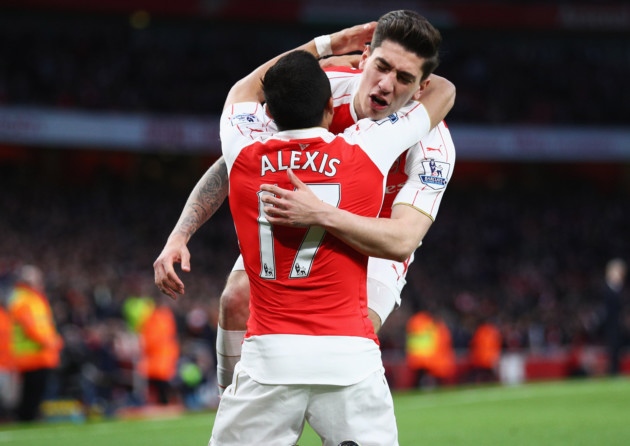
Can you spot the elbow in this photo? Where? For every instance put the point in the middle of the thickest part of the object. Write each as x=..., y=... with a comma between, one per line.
x=403, y=256
x=402, y=251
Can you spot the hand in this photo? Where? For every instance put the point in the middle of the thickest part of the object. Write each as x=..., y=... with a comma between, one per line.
x=296, y=208
x=348, y=60
x=352, y=39
x=167, y=281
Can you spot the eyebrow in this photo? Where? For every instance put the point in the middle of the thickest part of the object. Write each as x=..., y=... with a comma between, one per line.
x=403, y=74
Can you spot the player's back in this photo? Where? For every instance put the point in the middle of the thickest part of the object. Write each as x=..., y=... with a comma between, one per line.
x=304, y=280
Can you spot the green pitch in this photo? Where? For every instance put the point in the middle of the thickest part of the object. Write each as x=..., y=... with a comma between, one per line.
x=583, y=412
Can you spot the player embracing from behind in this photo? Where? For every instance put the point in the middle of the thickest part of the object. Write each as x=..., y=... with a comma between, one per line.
x=310, y=351
x=396, y=69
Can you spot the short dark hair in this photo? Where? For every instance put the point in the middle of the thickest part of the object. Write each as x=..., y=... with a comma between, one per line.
x=414, y=33
x=296, y=91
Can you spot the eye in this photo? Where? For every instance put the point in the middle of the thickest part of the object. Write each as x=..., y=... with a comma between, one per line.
x=406, y=80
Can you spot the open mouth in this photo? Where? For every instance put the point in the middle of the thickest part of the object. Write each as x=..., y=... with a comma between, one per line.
x=378, y=102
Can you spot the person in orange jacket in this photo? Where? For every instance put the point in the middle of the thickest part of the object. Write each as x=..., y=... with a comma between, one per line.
x=485, y=352
x=6, y=362
x=429, y=349
x=157, y=328
x=35, y=342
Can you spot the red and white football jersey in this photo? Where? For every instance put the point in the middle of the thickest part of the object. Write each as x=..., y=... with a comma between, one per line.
x=428, y=165
x=308, y=312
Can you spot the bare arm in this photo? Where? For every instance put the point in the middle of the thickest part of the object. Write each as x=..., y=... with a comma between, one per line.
x=212, y=188
x=204, y=200
x=438, y=98
x=347, y=60
x=249, y=89
x=392, y=238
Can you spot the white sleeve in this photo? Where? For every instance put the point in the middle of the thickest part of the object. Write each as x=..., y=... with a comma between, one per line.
x=241, y=124
x=429, y=165
x=387, y=139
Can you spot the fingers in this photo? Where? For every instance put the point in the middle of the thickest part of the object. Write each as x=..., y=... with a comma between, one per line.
x=168, y=283
x=169, y=293
x=271, y=200
x=185, y=263
x=294, y=179
x=166, y=280
x=272, y=189
x=353, y=38
x=277, y=216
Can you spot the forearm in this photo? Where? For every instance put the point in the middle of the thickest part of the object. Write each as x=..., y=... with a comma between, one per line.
x=249, y=89
x=391, y=238
x=204, y=200
x=386, y=238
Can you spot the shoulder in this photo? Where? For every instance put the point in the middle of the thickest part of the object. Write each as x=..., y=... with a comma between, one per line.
x=243, y=124
x=343, y=80
x=243, y=113
x=342, y=71
x=245, y=120
x=437, y=144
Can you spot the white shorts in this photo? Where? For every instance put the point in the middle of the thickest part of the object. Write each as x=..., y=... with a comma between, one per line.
x=252, y=413
x=386, y=279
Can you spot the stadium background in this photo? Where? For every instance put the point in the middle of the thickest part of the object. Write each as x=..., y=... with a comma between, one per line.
x=108, y=116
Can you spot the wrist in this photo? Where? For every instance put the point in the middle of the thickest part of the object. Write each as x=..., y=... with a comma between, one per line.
x=323, y=45
x=179, y=236
x=329, y=217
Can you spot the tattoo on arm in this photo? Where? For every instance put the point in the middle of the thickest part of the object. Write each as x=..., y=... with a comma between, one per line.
x=207, y=196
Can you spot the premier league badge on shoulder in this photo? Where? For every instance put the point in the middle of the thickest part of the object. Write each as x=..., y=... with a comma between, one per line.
x=243, y=118
x=435, y=173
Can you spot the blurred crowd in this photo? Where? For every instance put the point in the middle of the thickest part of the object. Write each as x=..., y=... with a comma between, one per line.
x=526, y=250
x=95, y=241
x=187, y=66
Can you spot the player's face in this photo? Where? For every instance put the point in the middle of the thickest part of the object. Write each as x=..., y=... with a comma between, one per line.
x=391, y=77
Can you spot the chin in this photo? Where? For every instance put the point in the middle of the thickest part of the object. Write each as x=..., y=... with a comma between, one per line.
x=377, y=116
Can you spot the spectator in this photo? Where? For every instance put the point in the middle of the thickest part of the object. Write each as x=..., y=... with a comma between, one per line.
x=429, y=350
x=35, y=342
x=154, y=321
x=485, y=352
x=615, y=277
x=7, y=382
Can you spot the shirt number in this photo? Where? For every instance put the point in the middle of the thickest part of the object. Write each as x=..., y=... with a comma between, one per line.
x=305, y=254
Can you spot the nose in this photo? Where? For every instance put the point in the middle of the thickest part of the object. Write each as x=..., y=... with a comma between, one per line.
x=386, y=84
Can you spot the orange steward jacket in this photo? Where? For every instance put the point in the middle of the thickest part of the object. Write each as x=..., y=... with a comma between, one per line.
x=160, y=346
x=35, y=343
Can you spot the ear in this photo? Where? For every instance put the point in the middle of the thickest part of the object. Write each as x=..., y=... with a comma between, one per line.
x=329, y=111
x=366, y=53
x=423, y=85
x=330, y=106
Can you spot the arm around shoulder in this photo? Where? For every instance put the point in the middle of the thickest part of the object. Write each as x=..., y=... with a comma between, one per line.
x=438, y=98
x=392, y=238
x=249, y=88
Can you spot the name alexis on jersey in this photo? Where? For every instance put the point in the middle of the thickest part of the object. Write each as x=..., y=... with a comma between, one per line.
x=298, y=160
